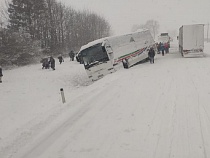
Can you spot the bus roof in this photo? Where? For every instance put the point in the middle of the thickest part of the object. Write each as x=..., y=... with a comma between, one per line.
x=102, y=39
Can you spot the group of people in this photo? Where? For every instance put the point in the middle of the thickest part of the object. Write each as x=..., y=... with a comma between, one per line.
x=48, y=62
x=163, y=47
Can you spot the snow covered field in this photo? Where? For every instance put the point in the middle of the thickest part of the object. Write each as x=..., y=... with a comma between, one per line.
x=159, y=110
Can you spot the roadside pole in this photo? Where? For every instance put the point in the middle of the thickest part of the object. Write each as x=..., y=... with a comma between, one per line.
x=62, y=95
x=208, y=33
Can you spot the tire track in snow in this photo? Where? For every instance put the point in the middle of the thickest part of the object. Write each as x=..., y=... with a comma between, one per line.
x=198, y=110
x=159, y=116
x=173, y=126
x=199, y=113
x=32, y=129
x=50, y=137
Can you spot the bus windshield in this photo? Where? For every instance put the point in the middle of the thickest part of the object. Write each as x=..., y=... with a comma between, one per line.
x=94, y=55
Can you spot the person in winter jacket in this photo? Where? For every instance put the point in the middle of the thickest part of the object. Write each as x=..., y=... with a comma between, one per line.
x=45, y=63
x=1, y=74
x=60, y=59
x=162, y=47
x=52, y=63
x=125, y=63
x=159, y=47
x=166, y=45
x=151, y=55
x=71, y=55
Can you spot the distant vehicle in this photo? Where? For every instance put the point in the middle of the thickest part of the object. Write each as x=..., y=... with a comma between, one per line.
x=191, y=40
x=164, y=38
x=106, y=55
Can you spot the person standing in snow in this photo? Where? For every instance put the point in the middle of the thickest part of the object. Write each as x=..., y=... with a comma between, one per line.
x=60, y=59
x=45, y=63
x=125, y=63
x=1, y=74
x=71, y=55
x=151, y=55
x=52, y=63
x=162, y=47
x=166, y=45
x=159, y=47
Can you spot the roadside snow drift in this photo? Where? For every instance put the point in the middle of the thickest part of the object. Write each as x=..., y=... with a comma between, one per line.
x=159, y=110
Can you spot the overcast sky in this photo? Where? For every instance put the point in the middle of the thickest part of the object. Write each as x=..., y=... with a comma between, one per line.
x=123, y=14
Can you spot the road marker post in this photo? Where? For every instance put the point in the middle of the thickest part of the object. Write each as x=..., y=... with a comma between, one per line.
x=62, y=95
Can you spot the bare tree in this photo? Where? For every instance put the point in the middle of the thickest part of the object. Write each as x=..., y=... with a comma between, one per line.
x=49, y=25
x=151, y=25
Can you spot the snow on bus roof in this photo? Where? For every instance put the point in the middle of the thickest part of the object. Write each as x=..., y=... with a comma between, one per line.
x=102, y=39
x=93, y=43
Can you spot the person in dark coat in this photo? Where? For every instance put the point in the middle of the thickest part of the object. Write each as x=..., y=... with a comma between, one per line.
x=1, y=74
x=162, y=47
x=159, y=47
x=71, y=55
x=166, y=45
x=52, y=63
x=125, y=63
x=45, y=63
x=151, y=55
x=60, y=59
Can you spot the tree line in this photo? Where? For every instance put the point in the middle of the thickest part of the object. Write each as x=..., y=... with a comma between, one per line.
x=45, y=27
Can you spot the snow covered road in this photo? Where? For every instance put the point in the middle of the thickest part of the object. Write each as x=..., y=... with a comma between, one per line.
x=159, y=110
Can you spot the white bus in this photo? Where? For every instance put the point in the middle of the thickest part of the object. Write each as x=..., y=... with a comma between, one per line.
x=106, y=55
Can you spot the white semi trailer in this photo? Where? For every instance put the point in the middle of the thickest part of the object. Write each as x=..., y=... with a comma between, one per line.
x=106, y=55
x=191, y=40
x=164, y=38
